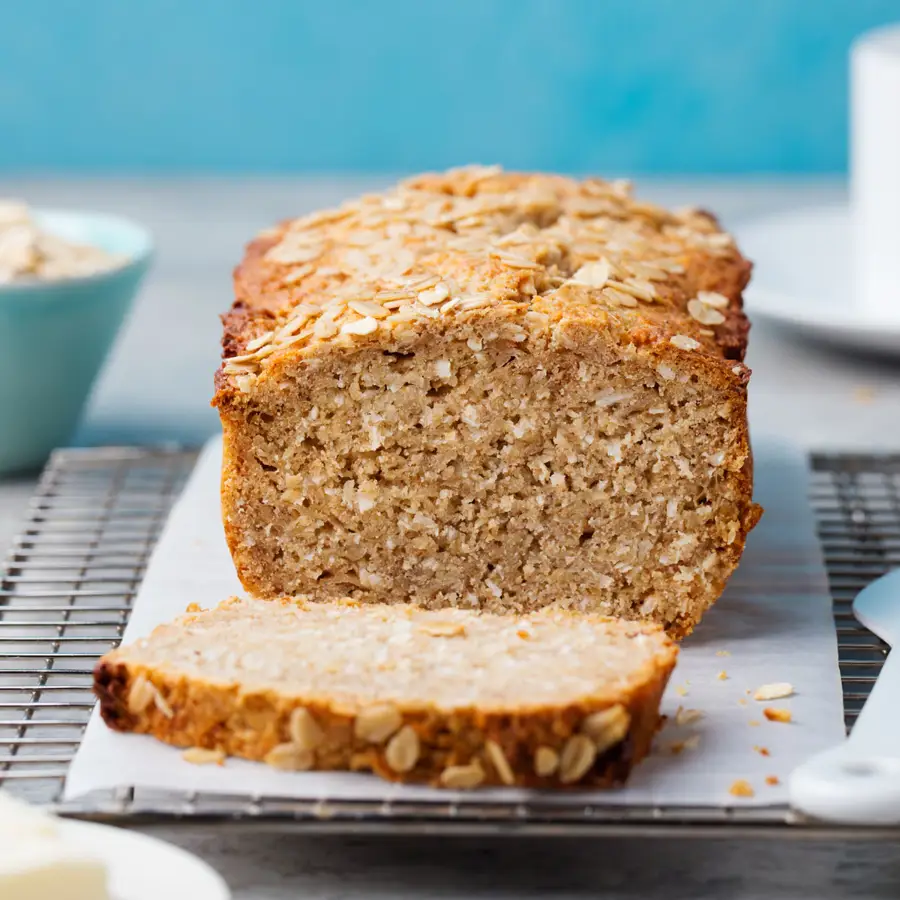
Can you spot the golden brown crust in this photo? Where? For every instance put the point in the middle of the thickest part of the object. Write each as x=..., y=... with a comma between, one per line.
x=190, y=711
x=508, y=241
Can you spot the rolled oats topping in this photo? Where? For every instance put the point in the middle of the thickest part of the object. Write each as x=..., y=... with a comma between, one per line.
x=200, y=756
x=546, y=761
x=576, y=759
x=498, y=760
x=704, y=314
x=463, y=777
x=711, y=298
x=377, y=723
x=162, y=704
x=607, y=727
x=478, y=238
x=290, y=758
x=402, y=751
x=304, y=730
x=141, y=695
x=593, y=274
x=683, y=342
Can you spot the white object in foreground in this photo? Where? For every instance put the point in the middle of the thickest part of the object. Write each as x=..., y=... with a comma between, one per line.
x=858, y=782
x=875, y=169
x=38, y=863
x=61, y=859
x=833, y=272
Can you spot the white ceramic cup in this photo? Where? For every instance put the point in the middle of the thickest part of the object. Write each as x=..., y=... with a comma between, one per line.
x=875, y=170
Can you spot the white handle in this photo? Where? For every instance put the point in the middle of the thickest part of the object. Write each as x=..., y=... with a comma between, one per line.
x=858, y=782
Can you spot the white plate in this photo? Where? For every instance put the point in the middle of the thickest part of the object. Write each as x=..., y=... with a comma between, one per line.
x=144, y=868
x=802, y=279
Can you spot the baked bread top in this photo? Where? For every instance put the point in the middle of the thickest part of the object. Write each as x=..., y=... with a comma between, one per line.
x=539, y=252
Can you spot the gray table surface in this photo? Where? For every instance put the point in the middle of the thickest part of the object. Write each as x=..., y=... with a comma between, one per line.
x=156, y=388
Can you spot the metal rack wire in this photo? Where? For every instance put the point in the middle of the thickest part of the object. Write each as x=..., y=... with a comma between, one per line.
x=72, y=575
x=65, y=594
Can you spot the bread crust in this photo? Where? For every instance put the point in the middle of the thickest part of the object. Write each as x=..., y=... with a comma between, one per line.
x=267, y=288
x=266, y=291
x=189, y=711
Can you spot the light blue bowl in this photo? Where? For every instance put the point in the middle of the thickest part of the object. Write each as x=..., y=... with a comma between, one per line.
x=55, y=335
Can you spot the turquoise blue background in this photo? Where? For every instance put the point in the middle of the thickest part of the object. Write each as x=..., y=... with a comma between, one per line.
x=625, y=86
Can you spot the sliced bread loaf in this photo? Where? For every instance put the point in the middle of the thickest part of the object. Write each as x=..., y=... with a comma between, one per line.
x=490, y=390
x=452, y=698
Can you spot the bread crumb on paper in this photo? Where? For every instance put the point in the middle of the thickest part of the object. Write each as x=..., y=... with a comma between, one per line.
x=773, y=714
x=200, y=756
x=772, y=780
x=678, y=747
x=762, y=751
x=688, y=716
x=776, y=691
x=741, y=788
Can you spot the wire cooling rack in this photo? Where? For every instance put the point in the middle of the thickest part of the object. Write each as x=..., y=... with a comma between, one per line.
x=73, y=573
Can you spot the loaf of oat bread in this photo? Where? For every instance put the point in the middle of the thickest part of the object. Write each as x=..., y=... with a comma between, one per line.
x=492, y=391
x=453, y=698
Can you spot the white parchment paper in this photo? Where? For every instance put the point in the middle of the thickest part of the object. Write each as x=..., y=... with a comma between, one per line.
x=773, y=624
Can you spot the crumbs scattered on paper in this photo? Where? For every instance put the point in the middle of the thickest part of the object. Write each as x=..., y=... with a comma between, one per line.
x=678, y=747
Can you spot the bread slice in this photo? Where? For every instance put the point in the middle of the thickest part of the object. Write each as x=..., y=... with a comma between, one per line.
x=453, y=698
x=490, y=390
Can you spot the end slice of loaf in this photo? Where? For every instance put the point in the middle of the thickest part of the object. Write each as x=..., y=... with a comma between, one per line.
x=450, y=698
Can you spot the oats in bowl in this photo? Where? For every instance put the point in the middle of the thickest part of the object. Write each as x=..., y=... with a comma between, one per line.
x=67, y=281
x=30, y=253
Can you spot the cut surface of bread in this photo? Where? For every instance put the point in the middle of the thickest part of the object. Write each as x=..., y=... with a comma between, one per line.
x=452, y=698
x=490, y=391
